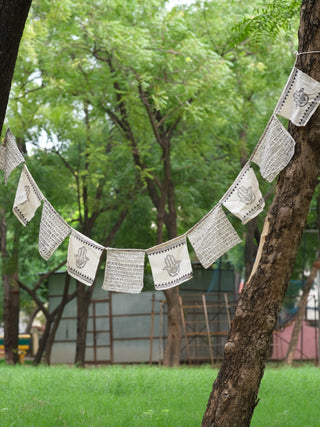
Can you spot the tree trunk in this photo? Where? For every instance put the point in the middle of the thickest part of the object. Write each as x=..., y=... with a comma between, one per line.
x=84, y=295
x=43, y=340
x=11, y=322
x=173, y=345
x=32, y=316
x=13, y=15
x=234, y=393
x=300, y=314
x=11, y=301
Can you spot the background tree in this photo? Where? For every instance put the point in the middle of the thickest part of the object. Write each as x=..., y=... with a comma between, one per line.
x=152, y=95
x=163, y=99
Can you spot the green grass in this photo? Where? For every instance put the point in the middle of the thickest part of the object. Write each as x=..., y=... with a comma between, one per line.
x=145, y=396
x=289, y=397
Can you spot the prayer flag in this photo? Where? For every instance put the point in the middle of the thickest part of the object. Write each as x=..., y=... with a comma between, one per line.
x=83, y=257
x=274, y=149
x=170, y=263
x=124, y=270
x=53, y=230
x=299, y=99
x=213, y=236
x=2, y=156
x=244, y=198
x=28, y=197
x=10, y=155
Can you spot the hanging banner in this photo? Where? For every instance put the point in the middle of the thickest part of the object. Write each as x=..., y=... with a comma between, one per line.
x=170, y=263
x=28, y=197
x=213, y=236
x=244, y=198
x=299, y=99
x=10, y=155
x=274, y=149
x=53, y=230
x=124, y=270
x=2, y=157
x=83, y=257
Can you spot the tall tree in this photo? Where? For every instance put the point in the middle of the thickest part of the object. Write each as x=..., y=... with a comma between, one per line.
x=234, y=393
x=146, y=79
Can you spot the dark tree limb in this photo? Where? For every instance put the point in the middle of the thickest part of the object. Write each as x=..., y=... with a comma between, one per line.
x=13, y=15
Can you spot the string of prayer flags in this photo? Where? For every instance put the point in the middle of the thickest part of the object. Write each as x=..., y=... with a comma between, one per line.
x=213, y=236
x=274, y=149
x=170, y=263
x=83, y=257
x=244, y=198
x=124, y=270
x=28, y=197
x=52, y=232
x=299, y=99
x=10, y=155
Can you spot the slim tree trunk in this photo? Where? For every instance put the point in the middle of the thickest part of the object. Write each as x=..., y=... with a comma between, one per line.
x=173, y=345
x=298, y=321
x=11, y=302
x=234, y=393
x=84, y=295
x=11, y=329
x=43, y=341
x=32, y=316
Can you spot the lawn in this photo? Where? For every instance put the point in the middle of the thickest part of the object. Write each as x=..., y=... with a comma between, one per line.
x=145, y=396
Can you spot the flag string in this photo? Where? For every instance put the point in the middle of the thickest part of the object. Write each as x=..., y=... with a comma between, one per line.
x=211, y=237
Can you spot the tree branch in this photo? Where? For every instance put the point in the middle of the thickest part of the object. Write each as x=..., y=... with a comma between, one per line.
x=46, y=275
x=154, y=125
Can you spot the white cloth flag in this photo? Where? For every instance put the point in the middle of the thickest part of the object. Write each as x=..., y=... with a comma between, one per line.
x=53, y=230
x=244, y=198
x=28, y=197
x=299, y=99
x=170, y=263
x=274, y=149
x=2, y=157
x=124, y=270
x=10, y=155
x=213, y=236
x=83, y=257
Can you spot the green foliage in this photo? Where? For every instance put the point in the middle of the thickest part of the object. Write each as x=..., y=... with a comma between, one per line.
x=204, y=75
x=268, y=22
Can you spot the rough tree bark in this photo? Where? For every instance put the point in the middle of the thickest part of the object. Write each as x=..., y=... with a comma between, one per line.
x=234, y=393
x=298, y=321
